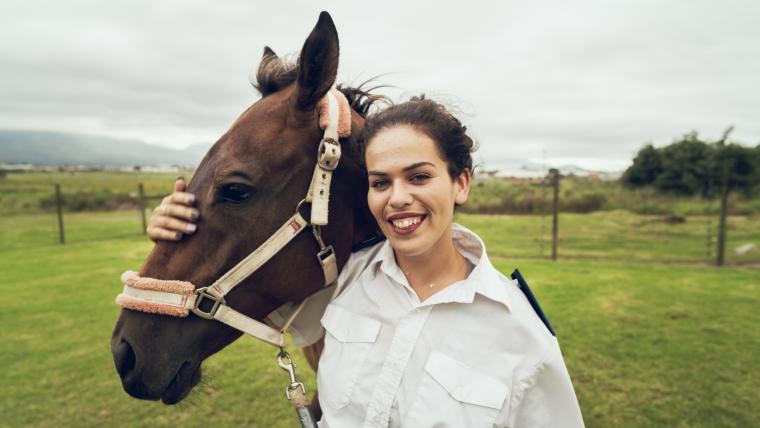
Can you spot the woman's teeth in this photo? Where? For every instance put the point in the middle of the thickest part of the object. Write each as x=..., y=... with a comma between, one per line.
x=407, y=222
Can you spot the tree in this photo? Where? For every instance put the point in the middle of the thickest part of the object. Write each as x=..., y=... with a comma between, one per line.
x=647, y=165
x=691, y=166
x=685, y=166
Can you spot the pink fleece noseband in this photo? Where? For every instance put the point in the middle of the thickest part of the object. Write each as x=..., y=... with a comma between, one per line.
x=132, y=279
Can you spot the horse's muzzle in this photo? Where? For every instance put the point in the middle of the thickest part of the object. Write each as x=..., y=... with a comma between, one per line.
x=171, y=391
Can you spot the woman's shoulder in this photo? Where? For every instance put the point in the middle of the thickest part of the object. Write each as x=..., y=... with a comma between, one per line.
x=361, y=257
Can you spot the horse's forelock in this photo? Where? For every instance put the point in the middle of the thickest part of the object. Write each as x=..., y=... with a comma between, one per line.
x=275, y=73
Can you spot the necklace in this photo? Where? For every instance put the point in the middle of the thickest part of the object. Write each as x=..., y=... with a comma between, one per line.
x=429, y=286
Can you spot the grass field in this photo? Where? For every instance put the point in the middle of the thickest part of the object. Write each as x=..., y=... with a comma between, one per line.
x=646, y=343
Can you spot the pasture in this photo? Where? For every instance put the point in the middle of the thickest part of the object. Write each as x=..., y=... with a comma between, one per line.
x=646, y=343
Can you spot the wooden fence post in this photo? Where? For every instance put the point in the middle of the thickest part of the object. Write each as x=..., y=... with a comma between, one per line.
x=555, y=210
x=723, y=212
x=141, y=206
x=59, y=209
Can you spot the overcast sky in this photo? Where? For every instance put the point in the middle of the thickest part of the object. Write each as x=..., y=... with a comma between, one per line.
x=584, y=82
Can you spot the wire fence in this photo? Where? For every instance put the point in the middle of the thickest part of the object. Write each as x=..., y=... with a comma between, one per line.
x=65, y=216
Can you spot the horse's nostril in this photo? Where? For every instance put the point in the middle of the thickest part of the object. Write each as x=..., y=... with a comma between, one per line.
x=124, y=357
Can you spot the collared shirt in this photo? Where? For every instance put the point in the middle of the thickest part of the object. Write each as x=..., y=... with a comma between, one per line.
x=475, y=354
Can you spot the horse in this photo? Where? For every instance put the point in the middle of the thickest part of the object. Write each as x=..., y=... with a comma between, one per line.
x=250, y=181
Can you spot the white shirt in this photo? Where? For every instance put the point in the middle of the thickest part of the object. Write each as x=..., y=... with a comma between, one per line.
x=475, y=354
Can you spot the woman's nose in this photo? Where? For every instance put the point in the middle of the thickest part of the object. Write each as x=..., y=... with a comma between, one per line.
x=400, y=197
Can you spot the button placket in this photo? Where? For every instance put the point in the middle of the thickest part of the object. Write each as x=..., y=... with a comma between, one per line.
x=403, y=342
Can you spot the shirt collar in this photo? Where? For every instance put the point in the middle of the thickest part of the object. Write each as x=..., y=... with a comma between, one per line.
x=484, y=278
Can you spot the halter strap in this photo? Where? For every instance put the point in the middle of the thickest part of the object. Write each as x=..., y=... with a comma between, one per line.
x=179, y=298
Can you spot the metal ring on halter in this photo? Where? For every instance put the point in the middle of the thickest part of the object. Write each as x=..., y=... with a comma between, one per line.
x=300, y=205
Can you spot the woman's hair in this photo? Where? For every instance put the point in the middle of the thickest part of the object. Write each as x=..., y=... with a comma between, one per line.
x=431, y=118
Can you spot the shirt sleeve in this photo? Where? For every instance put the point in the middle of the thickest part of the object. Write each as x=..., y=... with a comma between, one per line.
x=546, y=398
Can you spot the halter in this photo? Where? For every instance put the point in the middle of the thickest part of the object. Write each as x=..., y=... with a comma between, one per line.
x=180, y=298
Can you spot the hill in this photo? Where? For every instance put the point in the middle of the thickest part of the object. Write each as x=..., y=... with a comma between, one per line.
x=59, y=148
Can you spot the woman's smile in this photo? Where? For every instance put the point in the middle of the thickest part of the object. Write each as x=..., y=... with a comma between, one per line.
x=406, y=223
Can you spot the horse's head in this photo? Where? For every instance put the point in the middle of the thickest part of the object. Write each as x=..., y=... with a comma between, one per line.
x=247, y=185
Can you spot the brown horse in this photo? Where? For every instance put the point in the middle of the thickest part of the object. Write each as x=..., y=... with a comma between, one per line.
x=248, y=183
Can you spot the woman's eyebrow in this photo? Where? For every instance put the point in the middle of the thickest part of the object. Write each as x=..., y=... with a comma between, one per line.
x=416, y=165
x=405, y=169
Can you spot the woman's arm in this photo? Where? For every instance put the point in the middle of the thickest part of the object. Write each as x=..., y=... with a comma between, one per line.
x=175, y=217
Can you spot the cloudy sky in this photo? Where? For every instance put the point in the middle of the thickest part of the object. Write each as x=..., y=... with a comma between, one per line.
x=584, y=82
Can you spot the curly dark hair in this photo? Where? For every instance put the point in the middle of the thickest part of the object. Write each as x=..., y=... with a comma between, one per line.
x=431, y=118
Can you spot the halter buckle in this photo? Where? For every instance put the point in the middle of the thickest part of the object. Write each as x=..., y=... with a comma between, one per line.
x=325, y=254
x=328, y=154
x=201, y=294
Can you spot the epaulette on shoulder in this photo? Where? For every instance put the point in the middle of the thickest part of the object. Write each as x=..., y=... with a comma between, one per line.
x=516, y=275
x=367, y=243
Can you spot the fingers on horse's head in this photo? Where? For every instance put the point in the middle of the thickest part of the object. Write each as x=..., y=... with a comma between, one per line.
x=318, y=63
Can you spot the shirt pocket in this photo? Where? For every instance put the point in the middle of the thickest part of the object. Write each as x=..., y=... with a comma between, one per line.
x=348, y=343
x=452, y=394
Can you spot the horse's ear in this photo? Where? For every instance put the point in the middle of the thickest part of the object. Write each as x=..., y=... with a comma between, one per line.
x=318, y=63
x=265, y=79
x=269, y=55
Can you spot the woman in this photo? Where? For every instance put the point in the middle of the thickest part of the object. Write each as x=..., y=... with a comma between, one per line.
x=426, y=332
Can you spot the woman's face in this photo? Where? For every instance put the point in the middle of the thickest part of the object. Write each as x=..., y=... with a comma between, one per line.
x=411, y=194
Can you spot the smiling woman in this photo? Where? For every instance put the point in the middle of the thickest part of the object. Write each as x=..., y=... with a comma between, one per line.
x=424, y=330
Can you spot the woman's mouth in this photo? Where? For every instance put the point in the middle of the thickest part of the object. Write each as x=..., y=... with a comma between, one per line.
x=406, y=224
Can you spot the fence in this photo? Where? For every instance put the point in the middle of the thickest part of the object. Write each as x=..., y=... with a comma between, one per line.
x=548, y=231
x=141, y=202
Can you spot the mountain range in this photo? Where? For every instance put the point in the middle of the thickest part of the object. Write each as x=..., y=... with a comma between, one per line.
x=47, y=148
x=59, y=148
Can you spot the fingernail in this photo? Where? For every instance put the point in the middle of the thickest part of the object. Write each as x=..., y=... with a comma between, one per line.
x=191, y=199
x=190, y=228
x=180, y=178
x=178, y=235
x=194, y=215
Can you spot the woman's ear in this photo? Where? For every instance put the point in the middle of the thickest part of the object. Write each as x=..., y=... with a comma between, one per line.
x=462, y=187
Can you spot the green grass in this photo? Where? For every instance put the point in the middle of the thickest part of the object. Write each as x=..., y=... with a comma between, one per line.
x=647, y=344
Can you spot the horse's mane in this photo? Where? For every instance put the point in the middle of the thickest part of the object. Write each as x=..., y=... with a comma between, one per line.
x=275, y=73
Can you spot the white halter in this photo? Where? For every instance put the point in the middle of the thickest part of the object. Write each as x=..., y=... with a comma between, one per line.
x=178, y=298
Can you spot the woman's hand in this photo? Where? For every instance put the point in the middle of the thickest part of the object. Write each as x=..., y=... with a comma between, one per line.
x=175, y=217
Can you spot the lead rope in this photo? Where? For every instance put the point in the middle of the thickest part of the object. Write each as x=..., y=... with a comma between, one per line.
x=296, y=392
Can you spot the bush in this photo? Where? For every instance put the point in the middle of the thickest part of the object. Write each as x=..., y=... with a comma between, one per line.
x=87, y=201
x=586, y=203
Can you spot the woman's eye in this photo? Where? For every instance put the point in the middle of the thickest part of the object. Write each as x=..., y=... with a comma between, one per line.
x=235, y=193
x=379, y=184
x=419, y=178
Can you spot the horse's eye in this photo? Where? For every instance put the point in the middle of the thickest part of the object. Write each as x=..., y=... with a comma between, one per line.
x=235, y=193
